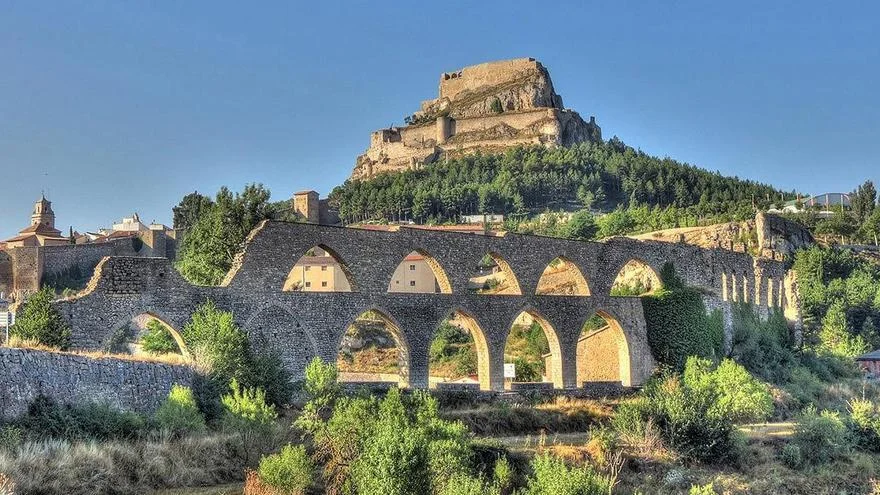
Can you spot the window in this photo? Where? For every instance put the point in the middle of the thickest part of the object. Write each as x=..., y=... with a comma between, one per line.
x=412, y=268
x=412, y=283
x=323, y=268
x=306, y=268
x=308, y=284
x=324, y=284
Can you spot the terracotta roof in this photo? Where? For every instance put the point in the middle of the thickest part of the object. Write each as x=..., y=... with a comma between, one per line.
x=871, y=356
x=40, y=229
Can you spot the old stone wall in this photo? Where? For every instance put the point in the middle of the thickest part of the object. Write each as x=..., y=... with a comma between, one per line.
x=7, y=282
x=137, y=386
x=84, y=257
x=301, y=325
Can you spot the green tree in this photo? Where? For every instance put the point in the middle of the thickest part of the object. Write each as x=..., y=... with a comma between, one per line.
x=190, y=209
x=248, y=415
x=158, y=339
x=836, y=338
x=864, y=201
x=179, y=414
x=581, y=226
x=38, y=321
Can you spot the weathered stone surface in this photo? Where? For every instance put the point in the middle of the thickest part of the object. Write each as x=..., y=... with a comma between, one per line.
x=138, y=386
x=301, y=325
x=486, y=107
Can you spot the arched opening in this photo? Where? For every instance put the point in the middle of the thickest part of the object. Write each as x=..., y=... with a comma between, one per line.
x=531, y=353
x=602, y=352
x=636, y=278
x=562, y=278
x=145, y=335
x=734, y=288
x=459, y=355
x=724, y=295
x=770, y=301
x=745, y=289
x=419, y=272
x=493, y=276
x=272, y=329
x=320, y=269
x=373, y=350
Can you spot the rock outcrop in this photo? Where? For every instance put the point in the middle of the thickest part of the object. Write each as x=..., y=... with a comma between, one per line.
x=487, y=107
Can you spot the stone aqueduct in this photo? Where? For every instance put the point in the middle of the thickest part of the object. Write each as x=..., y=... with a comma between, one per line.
x=301, y=325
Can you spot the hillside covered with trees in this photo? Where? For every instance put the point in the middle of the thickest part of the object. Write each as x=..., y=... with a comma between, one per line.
x=526, y=180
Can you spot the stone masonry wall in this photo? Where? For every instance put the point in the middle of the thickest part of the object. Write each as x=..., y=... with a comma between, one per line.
x=137, y=386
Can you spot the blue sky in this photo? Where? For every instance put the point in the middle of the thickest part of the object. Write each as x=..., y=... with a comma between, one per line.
x=114, y=107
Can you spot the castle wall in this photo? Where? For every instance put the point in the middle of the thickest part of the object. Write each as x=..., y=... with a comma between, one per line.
x=137, y=386
x=483, y=75
x=82, y=258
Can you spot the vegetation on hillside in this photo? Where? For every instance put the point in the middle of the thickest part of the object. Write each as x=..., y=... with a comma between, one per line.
x=526, y=180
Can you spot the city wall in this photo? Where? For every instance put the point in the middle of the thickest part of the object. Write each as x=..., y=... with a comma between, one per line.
x=137, y=386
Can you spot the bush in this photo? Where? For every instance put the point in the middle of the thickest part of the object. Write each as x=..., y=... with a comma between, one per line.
x=248, y=416
x=48, y=419
x=158, y=339
x=737, y=395
x=468, y=485
x=39, y=322
x=396, y=445
x=702, y=490
x=821, y=437
x=222, y=349
x=865, y=423
x=791, y=456
x=10, y=438
x=179, y=414
x=290, y=471
x=552, y=477
x=688, y=420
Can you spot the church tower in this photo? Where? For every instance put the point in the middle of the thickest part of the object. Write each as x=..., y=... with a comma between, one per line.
x=43, y=214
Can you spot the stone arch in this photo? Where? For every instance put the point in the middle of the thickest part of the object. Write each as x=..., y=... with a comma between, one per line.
x=320, y=269
x=480, y=343
x=274, y=328
x=603, y=351
x=553, y=360
x=421, y=265
x=510, y=283
x=636, y=278
x=564, y=279
x=393, y=328
x=157, y=315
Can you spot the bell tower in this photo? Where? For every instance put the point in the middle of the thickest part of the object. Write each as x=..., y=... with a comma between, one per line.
x=43, y=214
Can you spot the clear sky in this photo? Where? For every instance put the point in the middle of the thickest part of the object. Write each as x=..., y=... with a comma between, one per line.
x=114, y=107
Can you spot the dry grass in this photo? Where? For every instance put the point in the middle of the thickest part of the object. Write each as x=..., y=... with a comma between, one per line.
x=54, y=466
x=173, y=359
x=562, y=416
x=254, y=486
x=7, y=487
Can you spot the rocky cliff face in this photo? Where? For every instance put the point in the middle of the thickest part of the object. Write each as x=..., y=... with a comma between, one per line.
x=486, y=107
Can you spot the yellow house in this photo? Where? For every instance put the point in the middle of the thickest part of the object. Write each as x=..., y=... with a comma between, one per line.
x=318, y=271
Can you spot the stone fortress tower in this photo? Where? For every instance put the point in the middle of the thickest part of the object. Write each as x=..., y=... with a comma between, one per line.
x=486, y=107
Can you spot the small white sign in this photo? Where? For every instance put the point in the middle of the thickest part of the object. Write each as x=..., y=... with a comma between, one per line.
x=509, y=370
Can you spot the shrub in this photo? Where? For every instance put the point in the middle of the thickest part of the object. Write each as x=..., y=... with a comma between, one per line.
x=179, y=414
x=791, y=456
x=38, y=321
x=702, y=490
x=821, y=437
x=158, y=340
x=290, y=471
x=468, y=485
x=48, y=419
x=248, y=416
x=737, y=395
x=865, y=423
x=688, y=420
x=502, y=475
x=222, y=349
x=552, y=477
x=10, y=438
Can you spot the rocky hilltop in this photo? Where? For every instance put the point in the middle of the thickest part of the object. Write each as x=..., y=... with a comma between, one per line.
x=486, y=107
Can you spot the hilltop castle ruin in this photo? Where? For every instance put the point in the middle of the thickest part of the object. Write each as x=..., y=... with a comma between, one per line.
x=486, y=107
